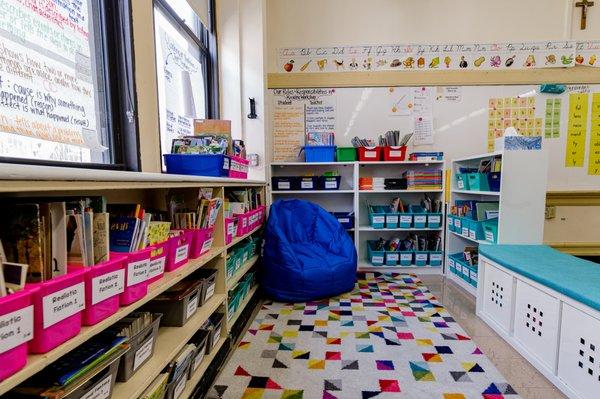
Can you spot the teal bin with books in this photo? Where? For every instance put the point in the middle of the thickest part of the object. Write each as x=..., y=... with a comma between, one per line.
x=405, y=220
x=374, y=256
x=464, y=226
x=490, y=230
x=391, y=258
x=406, y=258
x=476, y=229
x=421, y=258
x=434, y=220
x=457, y=224
x=419, y=216
x=462, y=181
x=435, y=258
x=478, y=182
x=377, y=216
x=391, y=220
x=450, y=222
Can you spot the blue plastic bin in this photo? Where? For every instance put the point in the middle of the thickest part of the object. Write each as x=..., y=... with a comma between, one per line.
x=377, y=216
x=473, y=275
x=450, y=222
x=346, y=219
x=421, y=258
x=434, y=220
x=406, y=258
x=375, y=257
x=462, y=182
x=405, y=220
x=391, y=258
x=476, y=230
x=391, y=220
x=457, y=224
x=214, y=165
x=490, y=230
x=321, y=153
x=419, y=216
x=465, y=224
x=494, y=181
x=478, y=182
x=435, y=258
x=451, y=264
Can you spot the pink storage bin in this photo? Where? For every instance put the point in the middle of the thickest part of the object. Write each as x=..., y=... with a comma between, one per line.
x=158, y=261
x=136, y=275
x=238, y=167
x=201, y=242
x=252, y=219
x=103, y=284
x=16, y=315
x=179, y=250
x=229, y=230
x=57, y=307
x=242, y=225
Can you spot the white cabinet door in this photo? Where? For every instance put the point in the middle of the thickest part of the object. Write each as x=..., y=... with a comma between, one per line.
x=579, y=352
x=537, y=323
x=497, y=296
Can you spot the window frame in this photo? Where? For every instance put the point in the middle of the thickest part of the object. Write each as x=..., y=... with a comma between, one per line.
x=120, y=94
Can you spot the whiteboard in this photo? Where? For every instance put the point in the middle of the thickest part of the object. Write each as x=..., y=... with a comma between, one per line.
x=461, y=127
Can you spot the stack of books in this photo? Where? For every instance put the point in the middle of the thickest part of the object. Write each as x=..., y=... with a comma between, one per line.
x=428, y=179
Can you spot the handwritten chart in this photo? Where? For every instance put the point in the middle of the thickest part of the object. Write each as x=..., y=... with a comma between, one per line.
x=518, y=112
x=576, y=130
x=594, y=161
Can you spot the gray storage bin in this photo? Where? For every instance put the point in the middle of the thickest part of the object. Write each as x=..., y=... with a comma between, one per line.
x=176, y=387
x=199, y=339
x=209, y=276
x=177, y=304
x=141, y=348
x=214, y=326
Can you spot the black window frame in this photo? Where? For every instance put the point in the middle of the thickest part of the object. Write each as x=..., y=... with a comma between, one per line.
x=207, y=43
x=120, y=99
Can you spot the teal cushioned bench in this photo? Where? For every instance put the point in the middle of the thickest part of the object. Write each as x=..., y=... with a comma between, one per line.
x=576, y=278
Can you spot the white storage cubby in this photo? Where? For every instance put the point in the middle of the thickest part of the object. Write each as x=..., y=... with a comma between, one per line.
x=497, y=298
x=579, y=352
x=536, y=322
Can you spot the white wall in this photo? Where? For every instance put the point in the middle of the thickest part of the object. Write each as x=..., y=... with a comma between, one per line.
x=314, y=23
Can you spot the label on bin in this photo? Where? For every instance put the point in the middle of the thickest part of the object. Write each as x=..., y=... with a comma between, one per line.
x=377, y=259
x=465, y=271
x=473, y=275
x=157, y=266
x=465, y=231
x=406, y=257
x=330, y=184
x=435, y=257
x=392, y=219
x=107, y=285
x=231, y=228
x=405, y=219
x=435, y=219
x=143, y=353
x=207, y=245
x=421, y=257
x=458, y=268
x=179, y=388
x=451, y=262
x=344, y=220
x=181, y=253
x=450, y=222
x=461, y=184
x=226, y=163
x=489, y=236
x=210, y=290
x=198, y=359
x=392, y=257
x=457, y=223
x=216, y=336
x=472, y=234
x=191, y=307
x=395, y=153
x=16, y=328
x=371, y=154
x=62, y=304
x=306, y=184
x=283, y=185
x=420, y=219
x=101, y=390
x=137, y=272
x=378, y=219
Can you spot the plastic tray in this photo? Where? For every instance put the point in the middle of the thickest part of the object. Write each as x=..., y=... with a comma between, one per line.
x=490, y=230
x=462, y=181
x=405, y=220
x=394, y=153
x=346, y=219
x=329, y=182
x=450, y=222
x=215, y=165
x=419, y=216
x=392, y=258
x=158, y=261
x=476, y=230
x=176, y=312
x=346, y=154
x=137, y=266
x=99, y=385
x=284, y=183
x=141, y=348
x=392, y=219
x=242, y=224
x=494, y=179
x=57, y=307
x=375, y=257
x=14, y=355
x=230, y=229
x=322, y=153
x=377, y=216
x=176, y=387
x=406, y=258
x=372, y=154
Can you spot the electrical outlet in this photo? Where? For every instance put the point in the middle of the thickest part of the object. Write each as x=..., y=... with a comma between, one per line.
x=550, y=212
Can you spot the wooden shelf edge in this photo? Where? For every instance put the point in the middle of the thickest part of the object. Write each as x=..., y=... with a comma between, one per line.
x=199, y=373
x=241, y=272
x=36, y=363
x=242, y=306
x=169, y=341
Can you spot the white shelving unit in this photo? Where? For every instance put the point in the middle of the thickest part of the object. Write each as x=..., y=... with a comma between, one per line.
x=350, y=198
x=521, y=198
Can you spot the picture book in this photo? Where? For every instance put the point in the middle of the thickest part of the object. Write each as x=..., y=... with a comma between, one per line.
x=122, y=232
x=101, y=237
x=58, y=238
x=158, y=232
x=75, y=240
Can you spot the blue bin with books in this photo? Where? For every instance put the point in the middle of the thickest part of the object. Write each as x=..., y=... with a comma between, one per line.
x=450, y=222
x=346, y=219
x=421, y=258
x=377, y=216
x=405, y=220
x=375, y=257
x=392, y=258
x=476, y=229
x=419, y=216
x=214, y=165
x=406, y=258
x=319, y=153
x=462, y=182
x=391, y=220
x=494, y=181
x=435, y=258
x=490, y=230
x=434, y=220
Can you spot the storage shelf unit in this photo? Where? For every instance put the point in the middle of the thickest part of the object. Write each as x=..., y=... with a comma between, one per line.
x=521, y=198
x=354, y=200
x=149, y=189
x=242, y=271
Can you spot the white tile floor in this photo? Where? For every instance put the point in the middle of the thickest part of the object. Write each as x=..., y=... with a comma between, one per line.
x=527, y=381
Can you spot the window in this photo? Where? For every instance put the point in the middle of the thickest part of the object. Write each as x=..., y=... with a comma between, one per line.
x=185, y=65
x=57, y=103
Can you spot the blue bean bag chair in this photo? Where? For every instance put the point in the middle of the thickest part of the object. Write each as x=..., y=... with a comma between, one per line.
x=307, y=253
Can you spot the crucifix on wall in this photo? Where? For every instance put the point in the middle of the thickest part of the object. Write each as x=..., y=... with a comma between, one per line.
x=584, y=4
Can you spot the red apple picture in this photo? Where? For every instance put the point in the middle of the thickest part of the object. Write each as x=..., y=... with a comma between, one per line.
x=289, y=66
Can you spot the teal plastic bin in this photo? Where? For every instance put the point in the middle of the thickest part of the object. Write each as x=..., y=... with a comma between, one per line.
x=419, y=216
x=434, y=220
x=490, y=230
x=450, y=222
x=478, y=182
x=451, y=264
x=391, y=258
x=462, y=182
x=457, y=224
x=473, y=275
x=406, y=258
x=435, y=258
x=377, y=216
x=421, y=258
x=405, y=220
x=476, y=229
x=465, y=224
x=466, y=272
x=375, y=257
x=391, y=220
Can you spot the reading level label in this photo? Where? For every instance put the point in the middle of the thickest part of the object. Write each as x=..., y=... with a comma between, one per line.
x=107, y=285
x=157, y=266
x=16, y=328
x=137, y=272
x=101, y=390
x=182, y=253
x=143, y=353
x=210, y=291
x=207, y=245
x=191, y=307
x=61, y=304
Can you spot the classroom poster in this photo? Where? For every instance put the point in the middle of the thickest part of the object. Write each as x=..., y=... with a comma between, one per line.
x=552, y=122
x=297, y=112
x=576, y=130
x=401, y=101
x=517, y=112
x=594, y=158
x=588, y=53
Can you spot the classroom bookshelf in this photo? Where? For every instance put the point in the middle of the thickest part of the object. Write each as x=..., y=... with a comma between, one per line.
x=350, y=198
x=149, y=189
x=521, y=197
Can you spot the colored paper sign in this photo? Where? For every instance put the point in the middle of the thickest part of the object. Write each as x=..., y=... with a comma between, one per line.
x=594, y=161
x=552, y=122
x=576, y=130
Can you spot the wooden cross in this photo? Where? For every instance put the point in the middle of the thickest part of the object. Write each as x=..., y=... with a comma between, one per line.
x=584, y=6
